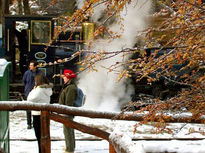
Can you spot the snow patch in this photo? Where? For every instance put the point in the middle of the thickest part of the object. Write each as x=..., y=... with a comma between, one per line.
x=122, y=142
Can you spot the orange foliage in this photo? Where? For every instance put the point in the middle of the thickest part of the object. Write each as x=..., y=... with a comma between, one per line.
x=185, y=32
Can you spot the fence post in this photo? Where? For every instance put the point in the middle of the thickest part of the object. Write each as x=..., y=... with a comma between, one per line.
x=111, y=149
x=45, y=132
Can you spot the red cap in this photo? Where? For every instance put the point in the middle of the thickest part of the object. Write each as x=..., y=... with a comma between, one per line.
x=69, y=74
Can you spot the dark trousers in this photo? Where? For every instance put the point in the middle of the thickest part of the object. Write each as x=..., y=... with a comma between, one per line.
x=28, y=115
x=69, y=137
x=37, y=129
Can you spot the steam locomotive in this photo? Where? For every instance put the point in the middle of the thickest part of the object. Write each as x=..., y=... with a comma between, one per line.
x=26, y=38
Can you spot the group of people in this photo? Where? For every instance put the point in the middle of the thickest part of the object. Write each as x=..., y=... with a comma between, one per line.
x=38, y=89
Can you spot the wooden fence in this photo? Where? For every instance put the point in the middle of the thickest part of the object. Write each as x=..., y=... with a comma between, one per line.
x=58, y=113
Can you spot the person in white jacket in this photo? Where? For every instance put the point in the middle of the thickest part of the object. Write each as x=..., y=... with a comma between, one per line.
x=41, y=93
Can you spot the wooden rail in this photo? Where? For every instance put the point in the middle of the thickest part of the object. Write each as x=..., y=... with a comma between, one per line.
x=61, y=109
x=58, y=113
x=83, y=128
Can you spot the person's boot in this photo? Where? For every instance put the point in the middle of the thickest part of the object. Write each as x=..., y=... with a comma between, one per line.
x=29, y=127
x=65, y=151
x=29, y=120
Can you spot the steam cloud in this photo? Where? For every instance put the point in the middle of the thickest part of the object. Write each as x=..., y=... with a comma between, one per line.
x=101, y=88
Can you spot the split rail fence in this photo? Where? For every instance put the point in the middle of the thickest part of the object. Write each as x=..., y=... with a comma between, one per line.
x=58, y=113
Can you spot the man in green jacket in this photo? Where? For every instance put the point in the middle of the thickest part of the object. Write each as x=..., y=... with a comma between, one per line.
x=67, y=97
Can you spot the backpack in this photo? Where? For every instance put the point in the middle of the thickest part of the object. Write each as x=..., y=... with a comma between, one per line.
x=80, y=101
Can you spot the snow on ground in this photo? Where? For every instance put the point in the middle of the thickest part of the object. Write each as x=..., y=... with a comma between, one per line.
x=18, y=130
x=23, y=139
x=58, y=147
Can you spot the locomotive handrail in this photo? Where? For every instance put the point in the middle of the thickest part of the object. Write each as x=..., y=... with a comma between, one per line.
x=29, y=40
x=65, y=41
x=8, y=39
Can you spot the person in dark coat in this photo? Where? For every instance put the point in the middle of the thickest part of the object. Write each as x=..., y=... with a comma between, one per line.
x=29, y=83
x=67, y=97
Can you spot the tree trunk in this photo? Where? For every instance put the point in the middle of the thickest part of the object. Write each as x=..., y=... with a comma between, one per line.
x=26, y=7
x=20, y=7
x=6, y=6
x=4, y=9
x=1, y=8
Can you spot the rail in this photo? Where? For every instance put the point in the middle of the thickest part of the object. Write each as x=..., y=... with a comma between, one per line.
x=58, y=113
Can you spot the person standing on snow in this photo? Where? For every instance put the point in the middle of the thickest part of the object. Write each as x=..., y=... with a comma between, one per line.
x=28, y=81
x=67, y=97
x=41, y=93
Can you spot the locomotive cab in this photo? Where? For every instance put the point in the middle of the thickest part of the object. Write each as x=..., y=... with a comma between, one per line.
x=25, y=40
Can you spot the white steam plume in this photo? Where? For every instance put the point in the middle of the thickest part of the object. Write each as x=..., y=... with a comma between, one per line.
x=101, y=88
x=79, y=3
